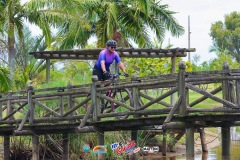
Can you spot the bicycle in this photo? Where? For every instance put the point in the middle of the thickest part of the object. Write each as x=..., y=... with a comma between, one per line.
x=122, y=95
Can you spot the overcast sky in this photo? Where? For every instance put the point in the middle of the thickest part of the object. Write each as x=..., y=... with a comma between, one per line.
x=202, y=14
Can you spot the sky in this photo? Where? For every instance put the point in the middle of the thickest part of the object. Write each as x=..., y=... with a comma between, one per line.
x=202, y=14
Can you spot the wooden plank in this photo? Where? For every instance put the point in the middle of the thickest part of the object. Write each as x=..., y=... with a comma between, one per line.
x=173, y=110
x=151, y=98
x=168, y=93
x=215, y=91
x=46, y=108
x=209, y=95
x=115, y=101
x=77, y=106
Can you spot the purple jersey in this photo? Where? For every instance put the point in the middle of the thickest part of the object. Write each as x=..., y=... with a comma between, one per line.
x=108, y=57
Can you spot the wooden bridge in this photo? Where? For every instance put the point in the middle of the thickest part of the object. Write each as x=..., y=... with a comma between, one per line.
x=156, y=103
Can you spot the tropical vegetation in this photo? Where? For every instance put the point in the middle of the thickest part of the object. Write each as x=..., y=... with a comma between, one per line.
x=68, y=24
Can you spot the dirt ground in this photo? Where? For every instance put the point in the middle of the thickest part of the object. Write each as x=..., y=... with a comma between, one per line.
x=212, y=140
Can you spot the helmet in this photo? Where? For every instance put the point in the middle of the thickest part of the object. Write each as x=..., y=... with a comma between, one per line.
x=111, y=43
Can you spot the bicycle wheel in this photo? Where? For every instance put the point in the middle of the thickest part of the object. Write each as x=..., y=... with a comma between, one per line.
x=124, y=96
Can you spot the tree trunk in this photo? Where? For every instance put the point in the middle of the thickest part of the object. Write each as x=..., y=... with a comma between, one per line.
x=11, y=50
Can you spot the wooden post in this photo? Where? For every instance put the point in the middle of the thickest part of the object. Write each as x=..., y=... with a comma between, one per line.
x=9, y=105
x=182, y=89
x=35, y=147
x=190, y=143
x=173, y=99
x=6, y=147
x=135, y=94
x=203, y=139
x=238, y=92
x=100, y=136
x=47, y=70
x=31, y=104
x=226, y=141
x=60, y=102
x=96, y=108
x=70, y=102
x=65, y=155
x=226, y=129
x=164, y=142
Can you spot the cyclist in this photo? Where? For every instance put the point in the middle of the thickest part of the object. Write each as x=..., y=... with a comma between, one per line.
x=105, y=59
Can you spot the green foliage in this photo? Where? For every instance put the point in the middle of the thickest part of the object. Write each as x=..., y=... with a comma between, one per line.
x=216, y=63
x=5, y=81
x=120, y=20
x=226, y=35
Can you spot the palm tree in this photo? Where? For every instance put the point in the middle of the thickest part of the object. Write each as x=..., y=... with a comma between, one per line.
x=5, y=81
x=123, y=21
x=38, y=12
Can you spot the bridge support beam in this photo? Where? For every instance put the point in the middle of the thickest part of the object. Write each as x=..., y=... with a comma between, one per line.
x=226, y=141
x=6, y=147
x=65, y=146
x=100, y=138
x=35, y=149
x=134, y=137
x=190, y=143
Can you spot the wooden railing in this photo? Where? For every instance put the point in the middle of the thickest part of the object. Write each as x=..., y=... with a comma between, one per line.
x=150, y=96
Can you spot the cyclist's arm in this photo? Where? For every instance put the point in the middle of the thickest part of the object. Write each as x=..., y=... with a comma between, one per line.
x=121, y=66
x=103, y=66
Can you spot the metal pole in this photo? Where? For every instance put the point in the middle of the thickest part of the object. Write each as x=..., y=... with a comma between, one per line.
x=189, y=57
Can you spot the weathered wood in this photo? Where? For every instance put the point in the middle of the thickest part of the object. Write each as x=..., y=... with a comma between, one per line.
x=164, y=143
x=182, y=89
x=115, y=101
x=55, y=144
x=141, y=112
x=24, y=120
x=35, y=147
x=203, y=139
x=226, y=140
x=86, y=117
x=6, y=147
x=139, y=85
x=238, y=92
x=151, y=98
x=46, y=108
x=9, y=105
x=92, y=54
x=179, y=136
x=217, y=109
x=77, y=106
x=95, y=100
x=174, y=108
x=209, y=95
x=47, y=70
x=189, y=143
x=65, y=153
x=215, y=91
x=173, y=90
x=31, y=105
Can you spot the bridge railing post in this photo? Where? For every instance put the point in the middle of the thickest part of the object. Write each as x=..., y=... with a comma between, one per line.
x=182, y=88
x=31, y=104
x=95, y=106
x=227, y=95
x=9, y=104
